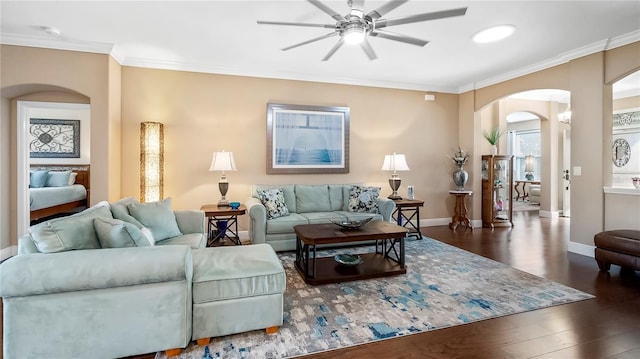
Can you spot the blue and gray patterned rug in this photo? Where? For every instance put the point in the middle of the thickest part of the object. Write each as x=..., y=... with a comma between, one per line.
x=444, y=286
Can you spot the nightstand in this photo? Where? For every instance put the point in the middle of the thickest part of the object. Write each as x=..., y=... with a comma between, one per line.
x=222, y=223
x=406, y=210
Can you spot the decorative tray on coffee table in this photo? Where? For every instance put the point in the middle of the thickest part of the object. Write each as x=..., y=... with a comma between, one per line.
x=346, y=224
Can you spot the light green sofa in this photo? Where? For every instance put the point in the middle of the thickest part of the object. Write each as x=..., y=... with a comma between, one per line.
x=306, y=204
x=65, y=297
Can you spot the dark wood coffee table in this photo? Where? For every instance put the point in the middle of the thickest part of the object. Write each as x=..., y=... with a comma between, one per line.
x=387, y=260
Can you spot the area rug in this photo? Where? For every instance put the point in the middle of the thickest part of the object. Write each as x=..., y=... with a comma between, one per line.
x=444, y=286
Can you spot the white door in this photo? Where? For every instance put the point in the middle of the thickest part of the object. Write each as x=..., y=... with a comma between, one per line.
x=566, y=174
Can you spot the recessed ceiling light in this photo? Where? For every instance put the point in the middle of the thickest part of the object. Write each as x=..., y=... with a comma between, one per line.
x=494, y=33
x=51, y=31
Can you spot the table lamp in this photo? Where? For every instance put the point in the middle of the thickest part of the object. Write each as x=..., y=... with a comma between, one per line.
x=529, y=162
x=395, y=162
x=223, y=161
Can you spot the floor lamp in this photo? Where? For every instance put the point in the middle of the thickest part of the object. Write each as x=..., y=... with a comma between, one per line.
x=151, y=161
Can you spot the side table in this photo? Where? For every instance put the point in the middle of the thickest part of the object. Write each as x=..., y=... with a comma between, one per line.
x=406, y=210
x=222, y=223
x=460, y=215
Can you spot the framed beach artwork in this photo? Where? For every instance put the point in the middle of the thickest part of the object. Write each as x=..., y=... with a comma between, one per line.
x=307, y=139
x=54, y=138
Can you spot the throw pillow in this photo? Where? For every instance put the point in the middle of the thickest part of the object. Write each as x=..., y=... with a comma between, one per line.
x=37, y=179
x=364, y=199
x=273, y=200
x=69, y=233
x=58, y=178
x=120, y=211
x=72, y=178
x=158, y=217
x=114, y=233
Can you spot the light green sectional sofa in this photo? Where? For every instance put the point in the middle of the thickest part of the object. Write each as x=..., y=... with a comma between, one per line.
x=310, y=204
x=92, y=286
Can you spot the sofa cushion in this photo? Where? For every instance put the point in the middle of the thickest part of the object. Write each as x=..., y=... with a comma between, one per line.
x=69, y=233
x=285, y=224
x=223, y=273
x=273, y=201
x=289, y=194
x=120, y=211
x=158, y=217
x=58, y=178
x=364, y=199
x=114, y=233
x=193, y=240
x=336, y=197
x=38, y=179
x=312, y=198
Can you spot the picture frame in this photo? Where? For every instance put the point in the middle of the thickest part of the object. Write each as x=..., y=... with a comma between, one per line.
x=304, y=139
x=49, y=138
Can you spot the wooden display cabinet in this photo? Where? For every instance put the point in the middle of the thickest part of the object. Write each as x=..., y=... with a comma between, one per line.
x=497, y=191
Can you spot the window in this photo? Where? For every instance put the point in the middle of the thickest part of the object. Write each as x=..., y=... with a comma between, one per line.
x=521, y=144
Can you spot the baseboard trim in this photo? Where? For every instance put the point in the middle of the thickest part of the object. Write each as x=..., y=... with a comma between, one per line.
x=549, y=214
x=582, y=249
x=8, y=252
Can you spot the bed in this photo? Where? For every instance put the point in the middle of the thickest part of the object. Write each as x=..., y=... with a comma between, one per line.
x=48, y=201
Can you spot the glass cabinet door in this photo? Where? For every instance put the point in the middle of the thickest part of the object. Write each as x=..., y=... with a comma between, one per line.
x=501, y=183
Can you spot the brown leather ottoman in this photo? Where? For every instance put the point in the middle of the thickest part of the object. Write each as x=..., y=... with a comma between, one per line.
x=621, y=247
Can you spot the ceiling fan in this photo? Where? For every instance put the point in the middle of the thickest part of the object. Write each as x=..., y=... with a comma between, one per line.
x=355, y=27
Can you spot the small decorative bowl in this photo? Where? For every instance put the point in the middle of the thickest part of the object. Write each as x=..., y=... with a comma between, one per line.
x=352, y=224
x=234, y=205
x=348, y=259
x=636, y=182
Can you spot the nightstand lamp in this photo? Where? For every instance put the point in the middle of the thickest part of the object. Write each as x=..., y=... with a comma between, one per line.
x=223, y=161
x=395, y=162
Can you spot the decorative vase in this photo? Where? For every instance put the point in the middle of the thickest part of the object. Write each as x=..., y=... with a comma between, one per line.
x=494, y=150
x=460, y=177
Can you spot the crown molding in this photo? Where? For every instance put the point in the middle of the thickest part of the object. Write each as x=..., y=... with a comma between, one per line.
x=565, y=57
x=53, y=43
x=281, y=75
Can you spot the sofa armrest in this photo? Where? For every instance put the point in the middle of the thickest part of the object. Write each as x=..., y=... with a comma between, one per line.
x=190, y=221
x=48, y=273
x=257, y=220
x=386, y=208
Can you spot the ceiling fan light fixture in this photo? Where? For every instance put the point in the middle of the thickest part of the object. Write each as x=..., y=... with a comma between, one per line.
x=493, y=34
x=354, y=34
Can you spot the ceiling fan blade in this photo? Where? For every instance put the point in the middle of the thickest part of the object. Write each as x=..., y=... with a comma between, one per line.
x=326, y=26
x=382, y=10
x=398, y=37
x=310, y=41
x=326, y=9
x=333, y=49
x=420, y=17
x=368, y=50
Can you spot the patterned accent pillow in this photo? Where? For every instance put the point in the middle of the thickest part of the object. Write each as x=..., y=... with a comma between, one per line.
x=364, y=199
x=273, y=200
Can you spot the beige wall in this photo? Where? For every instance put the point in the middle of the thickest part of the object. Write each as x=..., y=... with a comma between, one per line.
x=204, y=113
x=26, y=70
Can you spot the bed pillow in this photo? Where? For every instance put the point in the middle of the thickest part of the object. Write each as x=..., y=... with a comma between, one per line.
x=37, y=179
x=273, y=201
x=58, y=178
x=364, y=199
x=114, y=233
x=72, y=178
x=158, y=217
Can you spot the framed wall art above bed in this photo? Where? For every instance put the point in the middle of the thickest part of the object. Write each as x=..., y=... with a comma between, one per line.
x=50, y=138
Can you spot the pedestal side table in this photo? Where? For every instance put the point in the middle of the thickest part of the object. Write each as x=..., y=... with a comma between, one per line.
x=222, y=223
x=407, y=210
x=460, y=212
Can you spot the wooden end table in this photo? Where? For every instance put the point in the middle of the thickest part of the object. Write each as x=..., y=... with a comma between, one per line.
x=403, y=218
x=387, y=260
x=524, y=194
x=216, y=216
x=460, y=212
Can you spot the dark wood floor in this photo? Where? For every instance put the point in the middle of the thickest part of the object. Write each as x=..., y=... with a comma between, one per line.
x=605, y=327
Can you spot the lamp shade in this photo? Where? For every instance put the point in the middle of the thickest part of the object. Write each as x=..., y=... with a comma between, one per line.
x=223, y=161
x=151, y=161
x=395, y=162
x=529, y=162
